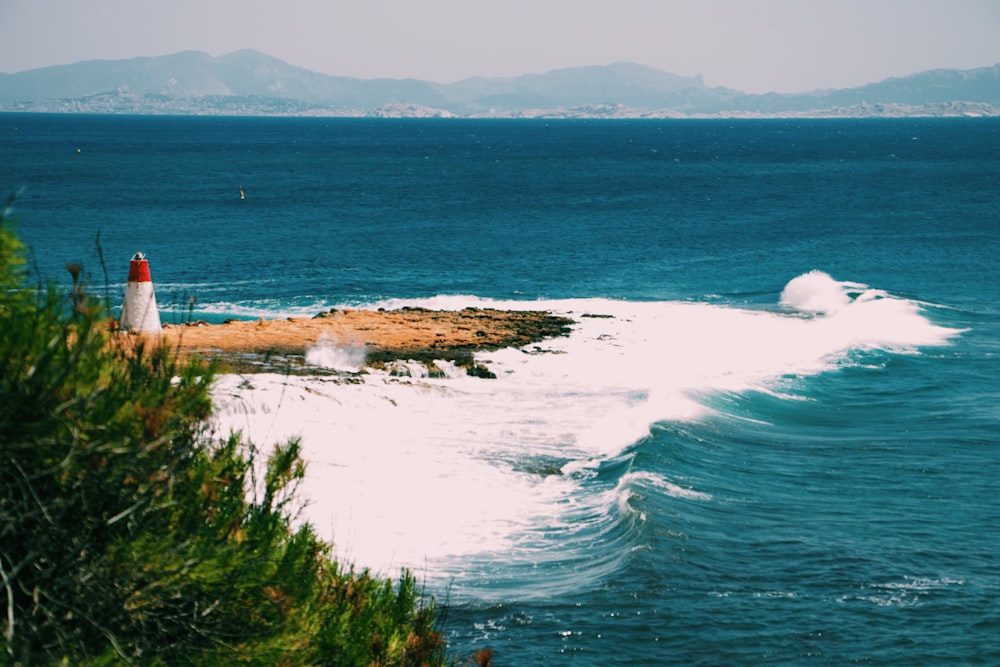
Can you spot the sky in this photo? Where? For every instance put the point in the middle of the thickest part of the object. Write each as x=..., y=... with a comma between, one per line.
x=755, y=46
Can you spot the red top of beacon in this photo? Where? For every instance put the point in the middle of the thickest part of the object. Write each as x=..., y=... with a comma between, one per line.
x=138, y=270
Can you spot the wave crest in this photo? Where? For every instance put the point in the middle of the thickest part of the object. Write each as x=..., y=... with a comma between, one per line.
x=817, y=292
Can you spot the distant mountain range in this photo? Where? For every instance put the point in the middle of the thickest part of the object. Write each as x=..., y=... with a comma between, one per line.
x=252, y=83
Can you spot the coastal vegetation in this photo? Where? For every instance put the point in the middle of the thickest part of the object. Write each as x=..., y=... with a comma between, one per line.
x=132, y=533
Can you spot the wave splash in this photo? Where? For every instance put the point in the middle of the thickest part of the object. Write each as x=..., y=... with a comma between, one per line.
x=335, y=355
x=858, y=316
x=491, y=487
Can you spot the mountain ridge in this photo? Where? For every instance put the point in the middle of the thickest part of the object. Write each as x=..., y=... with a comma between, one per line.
x=248, y=82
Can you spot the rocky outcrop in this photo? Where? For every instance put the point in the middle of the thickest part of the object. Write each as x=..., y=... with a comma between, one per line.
x=385, y=336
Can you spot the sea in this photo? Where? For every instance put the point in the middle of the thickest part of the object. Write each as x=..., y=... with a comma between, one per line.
x=772, y=435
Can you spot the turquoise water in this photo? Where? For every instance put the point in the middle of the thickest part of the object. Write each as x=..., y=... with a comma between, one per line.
x=778, y=443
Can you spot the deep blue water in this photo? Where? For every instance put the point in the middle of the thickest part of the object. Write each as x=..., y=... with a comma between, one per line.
x=834, y=516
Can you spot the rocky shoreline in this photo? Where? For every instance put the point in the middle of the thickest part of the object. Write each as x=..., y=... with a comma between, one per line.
x=384, y=337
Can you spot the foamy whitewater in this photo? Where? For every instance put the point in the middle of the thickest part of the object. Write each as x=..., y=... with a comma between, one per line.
x=451, y=477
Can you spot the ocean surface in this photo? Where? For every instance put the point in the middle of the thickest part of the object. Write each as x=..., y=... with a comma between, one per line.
x=772, y=437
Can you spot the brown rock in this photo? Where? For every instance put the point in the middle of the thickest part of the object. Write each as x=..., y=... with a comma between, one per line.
x=386, y=335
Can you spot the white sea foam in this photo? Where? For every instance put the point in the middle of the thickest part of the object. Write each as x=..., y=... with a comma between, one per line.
x=438, y=473
x=665, y=485
x=909, y=592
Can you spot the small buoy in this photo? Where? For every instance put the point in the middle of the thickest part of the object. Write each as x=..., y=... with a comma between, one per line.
x=78, y=150
x=139, y=312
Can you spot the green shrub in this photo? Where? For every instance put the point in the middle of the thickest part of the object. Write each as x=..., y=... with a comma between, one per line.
x=129, y=534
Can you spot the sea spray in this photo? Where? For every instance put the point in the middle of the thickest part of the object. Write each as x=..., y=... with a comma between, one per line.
x=815, y=292
x=329, y=353
x=856, y=316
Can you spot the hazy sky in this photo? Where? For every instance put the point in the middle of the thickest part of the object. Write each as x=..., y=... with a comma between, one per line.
x=751, y=45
